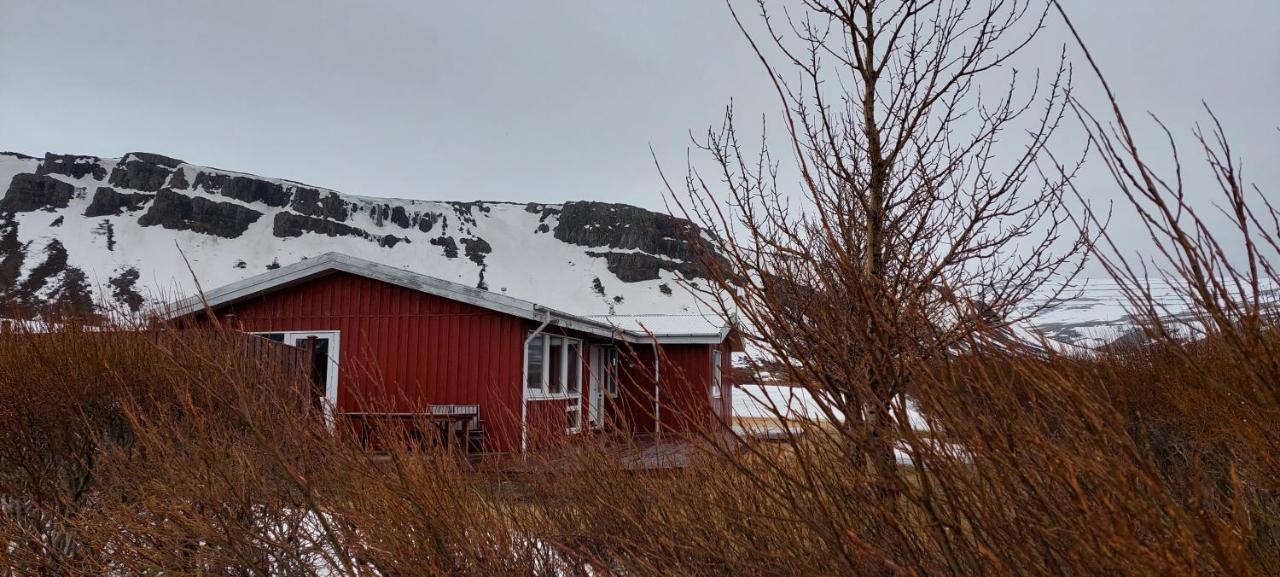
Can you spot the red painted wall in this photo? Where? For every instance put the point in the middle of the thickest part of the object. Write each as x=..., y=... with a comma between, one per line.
x=685, y=391
x=402, y=349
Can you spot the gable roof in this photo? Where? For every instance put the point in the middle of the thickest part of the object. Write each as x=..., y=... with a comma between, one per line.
x=705, y=329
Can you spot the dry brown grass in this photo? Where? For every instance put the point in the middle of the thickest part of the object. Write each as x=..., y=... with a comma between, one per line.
x=157, y=453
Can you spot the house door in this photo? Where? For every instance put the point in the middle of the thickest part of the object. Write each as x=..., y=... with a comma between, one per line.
x=603, y=360
x=324, y=364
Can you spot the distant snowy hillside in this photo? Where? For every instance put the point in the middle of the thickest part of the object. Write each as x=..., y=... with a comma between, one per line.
x=80, y=232
x=1096, y=312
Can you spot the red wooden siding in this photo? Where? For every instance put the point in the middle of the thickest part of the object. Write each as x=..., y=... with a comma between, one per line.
x=402, y=349
x=684, y=372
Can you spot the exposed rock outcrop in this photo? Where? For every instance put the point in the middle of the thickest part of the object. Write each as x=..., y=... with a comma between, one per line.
x=12, y=255
x=179, y=212
x=638, y=266
x=143, y=171
x=466, y=211
x=30, y=192
x=153, y=158
x=447, y=243
x=400, y=217
x=53, y=288
x=599, y=224
x=179, y=180
x=123, y=288
x=310, y=202
x=391, y=240
x=108, y=232
x=72, y=165
x=288, y=224
x=621, y=226
x=106, y=201
x=244, y=188
x=476, y=249
x=427, y=220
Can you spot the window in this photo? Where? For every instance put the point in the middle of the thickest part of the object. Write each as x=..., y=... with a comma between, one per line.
x=609, y=372
x=716, y=374
x=573, y=377
x=553, y=366
x=534, y=356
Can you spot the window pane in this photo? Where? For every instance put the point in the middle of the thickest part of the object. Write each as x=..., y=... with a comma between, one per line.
x=574, y=368
x=533, y=368
x=319, y=368
x=716, y=373
x=611, y=371
x=555, y=366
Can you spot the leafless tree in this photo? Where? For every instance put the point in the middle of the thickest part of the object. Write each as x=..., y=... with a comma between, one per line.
x=921, y=213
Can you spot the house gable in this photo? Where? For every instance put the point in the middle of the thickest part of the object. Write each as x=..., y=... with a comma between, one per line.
x=401, y=349
x=687, y=329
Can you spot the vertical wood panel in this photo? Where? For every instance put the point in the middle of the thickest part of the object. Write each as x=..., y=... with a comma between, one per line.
x=426, y=349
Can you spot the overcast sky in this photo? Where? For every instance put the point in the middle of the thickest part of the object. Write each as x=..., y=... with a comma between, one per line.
x=521, y=101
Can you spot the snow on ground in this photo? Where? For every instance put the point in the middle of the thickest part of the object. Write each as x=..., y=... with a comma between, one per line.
x=764, y=402
x=757, y=407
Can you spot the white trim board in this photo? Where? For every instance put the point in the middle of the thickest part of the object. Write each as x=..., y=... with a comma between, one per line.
x=331, y=262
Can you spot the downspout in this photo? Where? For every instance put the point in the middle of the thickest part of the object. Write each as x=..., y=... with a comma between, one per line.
x=657, y=391
x=524, y=384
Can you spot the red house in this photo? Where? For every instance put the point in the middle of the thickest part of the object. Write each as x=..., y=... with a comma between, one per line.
x=504, y=372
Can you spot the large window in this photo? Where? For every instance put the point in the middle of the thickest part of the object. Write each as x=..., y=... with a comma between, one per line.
x=717, y=374
x=553, y=366
x=535, y=353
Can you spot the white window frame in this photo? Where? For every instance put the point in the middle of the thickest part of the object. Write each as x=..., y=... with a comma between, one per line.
x=717, y=373
x=609, y=365
x=543, y=392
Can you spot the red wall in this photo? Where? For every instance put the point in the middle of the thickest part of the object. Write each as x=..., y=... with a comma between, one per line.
x=402, y=349
x=685, y=391
x=405, y=349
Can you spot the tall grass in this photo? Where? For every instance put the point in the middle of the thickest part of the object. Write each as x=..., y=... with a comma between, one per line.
x=171, y=452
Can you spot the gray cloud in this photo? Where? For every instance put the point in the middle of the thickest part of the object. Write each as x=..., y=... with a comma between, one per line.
x=521, y=101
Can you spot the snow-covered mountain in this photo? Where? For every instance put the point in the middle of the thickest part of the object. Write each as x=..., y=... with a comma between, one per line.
x=84, y=232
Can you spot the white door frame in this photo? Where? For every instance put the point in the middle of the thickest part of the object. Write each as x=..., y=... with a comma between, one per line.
x=595, y=391
x=331, y=380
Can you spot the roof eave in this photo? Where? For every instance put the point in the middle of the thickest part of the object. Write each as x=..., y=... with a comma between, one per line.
x=330, y=262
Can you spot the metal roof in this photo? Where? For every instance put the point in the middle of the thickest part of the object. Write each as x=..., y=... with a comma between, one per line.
x=621, y=327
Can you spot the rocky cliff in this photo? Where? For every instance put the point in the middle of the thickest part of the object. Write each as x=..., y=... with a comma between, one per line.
x=87, y=234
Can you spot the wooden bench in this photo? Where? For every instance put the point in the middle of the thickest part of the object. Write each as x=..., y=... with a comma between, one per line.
x=455, y=427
